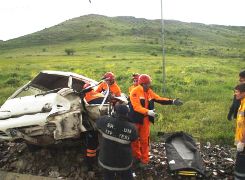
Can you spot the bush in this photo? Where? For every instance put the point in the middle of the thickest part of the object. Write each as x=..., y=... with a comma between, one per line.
x=212, y=52
x=153, y=54
x=12, y=82
x=70, y=52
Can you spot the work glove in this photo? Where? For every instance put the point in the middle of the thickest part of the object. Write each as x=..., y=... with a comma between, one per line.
x=240, y=146
x=151, y=113
x=177, y=102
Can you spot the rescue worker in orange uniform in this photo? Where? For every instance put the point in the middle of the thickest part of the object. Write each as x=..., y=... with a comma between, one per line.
x=240, y=133
x=93, y=97
x=110, y=81
x=91, y=137
x=135, y=77
x=142, y=100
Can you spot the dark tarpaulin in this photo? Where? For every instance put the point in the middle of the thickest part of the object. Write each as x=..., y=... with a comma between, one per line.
x=182, y=154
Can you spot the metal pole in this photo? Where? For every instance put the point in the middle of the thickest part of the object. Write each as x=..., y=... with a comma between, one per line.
x=163, y=53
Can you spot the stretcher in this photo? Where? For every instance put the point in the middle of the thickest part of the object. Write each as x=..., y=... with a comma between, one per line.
x=183, y=156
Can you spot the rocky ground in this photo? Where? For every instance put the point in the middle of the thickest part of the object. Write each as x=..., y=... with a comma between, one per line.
x=67, y=162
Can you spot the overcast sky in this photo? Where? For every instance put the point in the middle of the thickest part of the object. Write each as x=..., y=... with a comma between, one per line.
x=20, y=17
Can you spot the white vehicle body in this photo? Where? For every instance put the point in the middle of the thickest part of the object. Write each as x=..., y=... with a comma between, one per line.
x=48, y=108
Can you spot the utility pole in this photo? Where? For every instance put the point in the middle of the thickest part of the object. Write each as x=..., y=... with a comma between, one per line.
x=163, y=53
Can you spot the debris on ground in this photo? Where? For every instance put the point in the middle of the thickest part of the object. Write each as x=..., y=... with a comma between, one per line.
x=68, y=162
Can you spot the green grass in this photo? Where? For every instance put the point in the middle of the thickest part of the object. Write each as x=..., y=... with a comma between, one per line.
x=202, y=65
x=204, y=84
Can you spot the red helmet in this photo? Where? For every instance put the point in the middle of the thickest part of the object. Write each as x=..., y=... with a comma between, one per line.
x=144, y=79
x=109, y=76
x=135, y=76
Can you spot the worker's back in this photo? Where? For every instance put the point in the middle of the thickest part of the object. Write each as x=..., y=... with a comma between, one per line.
x=115, y=149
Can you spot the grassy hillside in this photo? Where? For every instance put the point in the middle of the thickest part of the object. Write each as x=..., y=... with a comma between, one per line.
x=202, y=64
x=114, y=33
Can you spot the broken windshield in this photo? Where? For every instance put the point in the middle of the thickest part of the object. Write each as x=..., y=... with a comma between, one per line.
x=29, y=91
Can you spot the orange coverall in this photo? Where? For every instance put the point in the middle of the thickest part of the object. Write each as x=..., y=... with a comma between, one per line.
x=131, y=88
x=94, y=97
x=142, y=102
x=114, y=88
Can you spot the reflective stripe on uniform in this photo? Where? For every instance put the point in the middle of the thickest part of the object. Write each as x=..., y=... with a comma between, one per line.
x=91, y=153
x=187, y=173
x=115, y=168
x=241, y=113
x=242, y=175
x=91, y=150
x=122, y=141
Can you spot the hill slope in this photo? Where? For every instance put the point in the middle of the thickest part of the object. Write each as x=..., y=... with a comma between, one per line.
x=136, y=35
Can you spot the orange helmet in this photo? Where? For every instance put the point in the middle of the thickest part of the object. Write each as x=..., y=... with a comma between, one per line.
x=109, y=76
x=144, y=79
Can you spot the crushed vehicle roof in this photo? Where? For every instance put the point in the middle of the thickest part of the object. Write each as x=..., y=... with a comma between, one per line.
x=62, y=73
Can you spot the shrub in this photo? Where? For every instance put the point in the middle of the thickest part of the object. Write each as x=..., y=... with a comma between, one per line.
x=12, y=82
x=153, y=54
x=70, y=52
